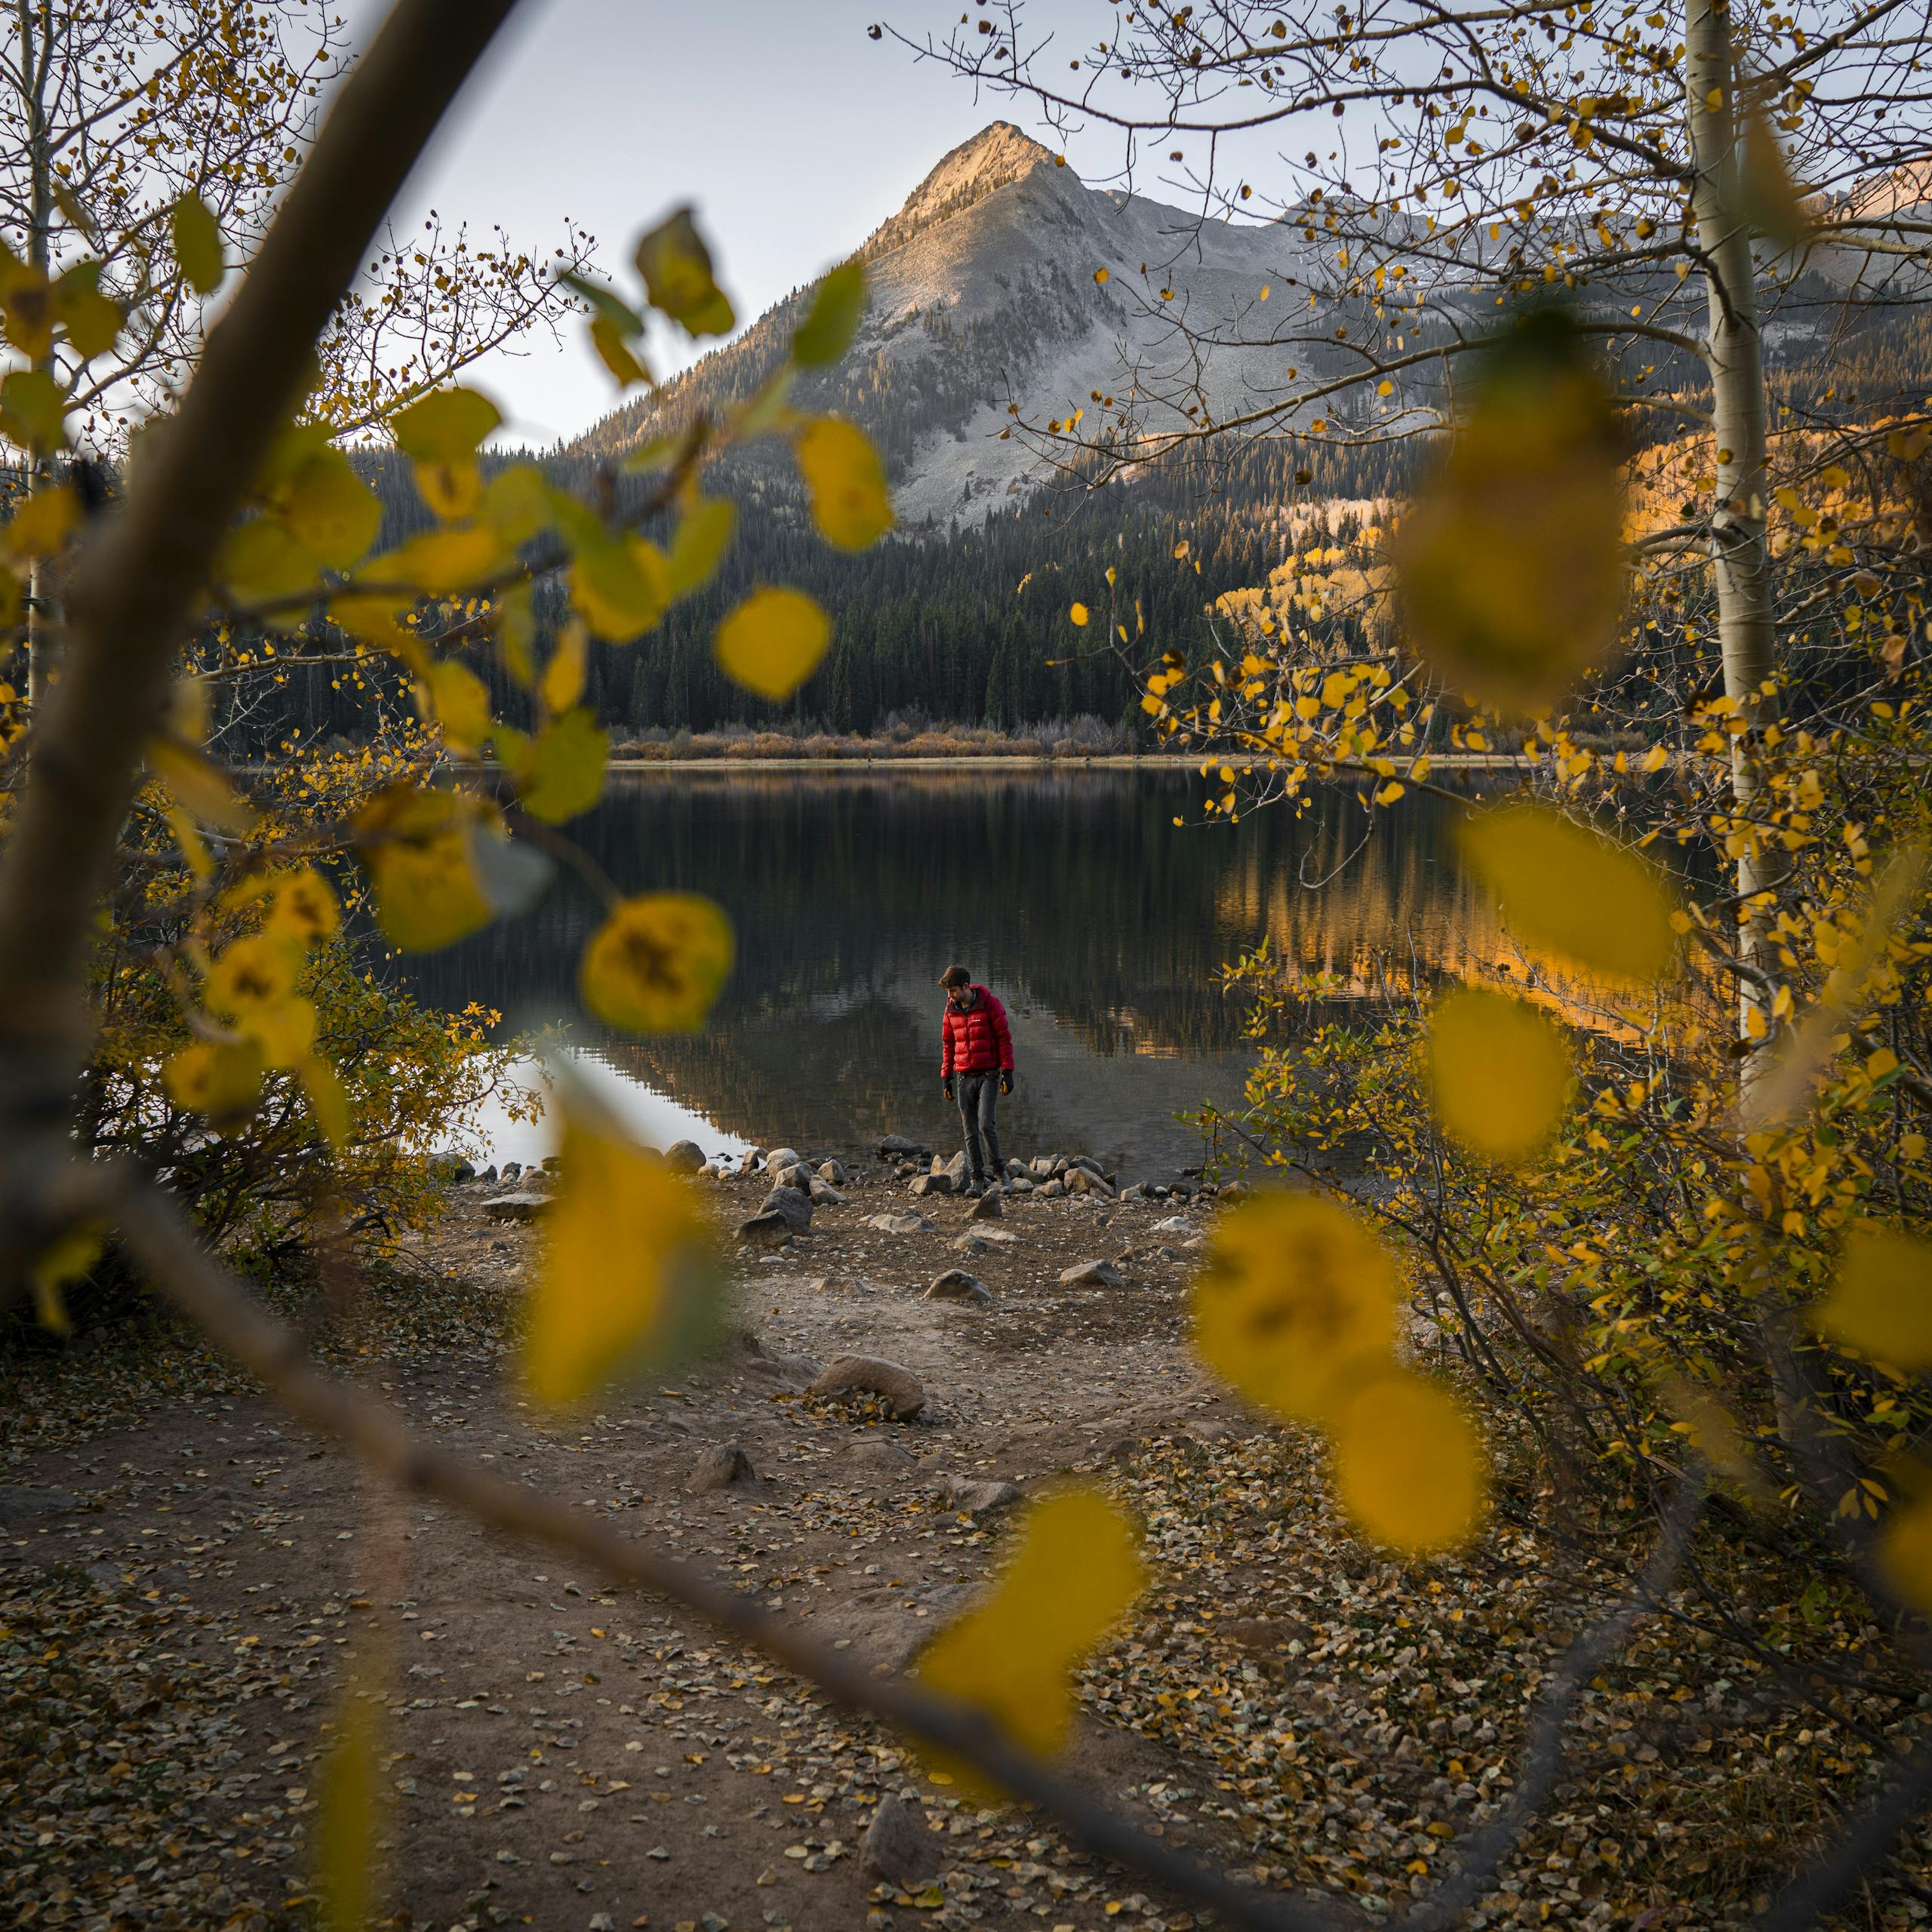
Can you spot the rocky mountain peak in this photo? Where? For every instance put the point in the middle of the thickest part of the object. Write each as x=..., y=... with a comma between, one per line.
x=996, y=158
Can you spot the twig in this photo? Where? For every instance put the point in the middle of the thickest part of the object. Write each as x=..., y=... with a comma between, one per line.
x=152, y=1230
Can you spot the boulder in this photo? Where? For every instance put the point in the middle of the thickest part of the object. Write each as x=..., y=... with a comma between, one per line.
x=987, y=1207
x=898, y=1848
x=1052, y=1190
x=1084, y=1180
x=553, y=1164
x=781, y=1157
x=683, y=1157
x=898, y=1388
x=1015, y=1167
x=823, y=1194
x=931, y=1184
x=833, y=1173
x=796, y=1206
x=719, y=1467
x=797, y=1176
x=512, y=1169
x=898, y=1147
x=1236, y=1190
x=955, y=1171
x=1092, y=1275
x=955, y=1284
x=452, y=1170
x=518, y=1207
x=985, y=1241
x=981, y=1497
x=488, y=1178
x=1021, y=1185
x=898, y=1222
x=765, y=1231
x=1043, y=1166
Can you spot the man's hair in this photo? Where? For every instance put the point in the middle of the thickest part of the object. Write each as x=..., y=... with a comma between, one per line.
x=955, y=976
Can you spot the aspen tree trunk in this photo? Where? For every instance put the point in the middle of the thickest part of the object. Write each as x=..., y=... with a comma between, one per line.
x=1734, y=352
x=36, y=58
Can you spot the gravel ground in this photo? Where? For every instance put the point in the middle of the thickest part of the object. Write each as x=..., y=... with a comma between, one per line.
x=185, y=1579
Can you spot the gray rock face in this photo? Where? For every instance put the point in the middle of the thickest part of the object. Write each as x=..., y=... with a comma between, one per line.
x=979, y=1498
x=896, y=1147
x=900, y=1223
x=898, y=1848
x=518, y=1207
x=929, y=1184
x=988, y=1208
x=765, y=1231
x=833, y=1173
x=720, y=1466
x=955, y=1284
x=898, y=1388
x=796, y=1206
x=1092, y=1275
x=683, y=1157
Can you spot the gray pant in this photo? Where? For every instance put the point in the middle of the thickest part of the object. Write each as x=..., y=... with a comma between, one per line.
x=979, y=1099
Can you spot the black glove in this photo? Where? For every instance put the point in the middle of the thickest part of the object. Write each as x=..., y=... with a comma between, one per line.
x=1006, y=1081
x=945, y=1086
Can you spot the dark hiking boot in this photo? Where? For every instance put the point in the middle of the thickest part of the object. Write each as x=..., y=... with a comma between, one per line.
x=973, y=1189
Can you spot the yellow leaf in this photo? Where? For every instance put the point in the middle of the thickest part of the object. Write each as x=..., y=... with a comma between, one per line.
x=1880, y=1303
x=43, y=523
x=1769, y=197
x=516, y=502
x=615, y=354
x=1296, y=1298
x=773, y=642
x=1905, y=1551
x=1570, y=891
x=704, y=533
x=1073, y=1577
x=620, y=586
x=263, y=561
x=92, y=320
x=562, y=682
x=837, y=309
x=26, y=307
x=198, y=244
x=629, y=1277
x=221, y=1080
x=1500, y=1073
x=1101, y=276
x=440, y=560
x=33, y=410
x=446, y=426
x=330, y=510
x=658, y=963
x=1508, y=562
x=199, y=783
x=348, y=1827
x=562, y=773
x=416, y=846
x=303, y=907
x=259, y=971
x=1079, y=615
x=456, y=698
x=328, y=1101
x=676, y=268
x=1408, y=1464
x=842, y=470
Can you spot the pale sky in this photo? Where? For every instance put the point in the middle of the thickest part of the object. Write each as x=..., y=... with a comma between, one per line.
x=793, y=134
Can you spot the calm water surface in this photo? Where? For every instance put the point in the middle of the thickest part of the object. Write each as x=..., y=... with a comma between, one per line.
x=1072, y=894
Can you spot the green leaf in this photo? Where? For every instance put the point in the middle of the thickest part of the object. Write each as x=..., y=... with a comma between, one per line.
x=704, y=533
x=446, y=426
x=676, y=268
x=837, y=309
x=92, y=320
x=31, y=411
x=605, y=301
x=198, y=244
x=563, y=773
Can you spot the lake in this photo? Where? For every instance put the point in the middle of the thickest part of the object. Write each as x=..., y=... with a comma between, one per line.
x=1071, y=892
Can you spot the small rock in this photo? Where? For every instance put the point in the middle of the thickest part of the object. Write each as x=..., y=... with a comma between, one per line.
x=1236, y=1190
x=518, y=1207
x=683, y=1157
x=1091, y=1274
x=899, y=1222
x=1175, y=1224
x=898, y=1848
x=878, y=1456
x=926, y=1184
x=982, y=1497
x=1021, y=1185
x=796, y=1206
x=553, y=1164
x=1053, y=1190
x=721, y=1466
x=987, y=1207
x=954, y=1170
x=781, y=1157
x=512, y=1169
x=833, y=1173
x=955, y=1284
x=17, y=1502
x=1084, y=1180
x=864, y=1375
x=1043, y=1166
x=898, y=1147
x=823, y=1194
x=765, y=1231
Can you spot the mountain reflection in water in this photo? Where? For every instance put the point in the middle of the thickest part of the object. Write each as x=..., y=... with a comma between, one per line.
x=1072, y=892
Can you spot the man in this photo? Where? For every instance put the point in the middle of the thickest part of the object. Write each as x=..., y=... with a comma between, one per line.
x=976, y=1050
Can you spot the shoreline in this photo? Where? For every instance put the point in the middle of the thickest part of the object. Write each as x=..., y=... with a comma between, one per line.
x=1461, y=761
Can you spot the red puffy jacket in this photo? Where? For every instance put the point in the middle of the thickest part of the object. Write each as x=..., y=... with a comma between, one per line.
x=976, y=1041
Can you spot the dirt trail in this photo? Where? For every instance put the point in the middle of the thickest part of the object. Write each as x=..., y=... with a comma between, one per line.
x=563, y=1756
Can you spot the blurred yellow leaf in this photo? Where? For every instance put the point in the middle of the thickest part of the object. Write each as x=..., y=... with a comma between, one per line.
x=1074, y=1575
x=1296, y=1298
x=222, y=1080
x=842, y=470
x=439, y=561
x=459, y=700
x=615, y=354
x=1570, y=891
x=629, y=1277
x=773, y=642
x=620, y=586
x=33, y=410
x=1509, y=561
x=1079, y=614
x=328, y=1101
x=562, y=682
x=445, y=427
x=348, y=1826
x=676, y=268
x=43, y=523
x=1880, y=1303
x=516, y=502
x=257, y=971
x=833, y=319
x=92, y=320
x=1408, y=1464
x=26, y=306
x=263, y=561
x=330, y=510
x=1770, y=200
x=562, y=773
x=198, y=244
x=416, y=846
x=1500, y=1073
x=704, y=533
x=658, y=963
x=303, y=907
x=199, y=783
